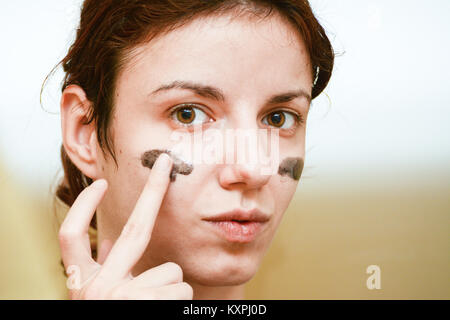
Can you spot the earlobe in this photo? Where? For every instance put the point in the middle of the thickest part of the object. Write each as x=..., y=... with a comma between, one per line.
x=79, y=136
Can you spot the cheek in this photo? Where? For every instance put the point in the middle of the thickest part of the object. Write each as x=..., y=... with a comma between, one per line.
x=186, y=192
x=282, y=190
x=126, y=181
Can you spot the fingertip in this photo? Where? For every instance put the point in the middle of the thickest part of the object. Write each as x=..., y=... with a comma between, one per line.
x=100, y=184
x=164, y=162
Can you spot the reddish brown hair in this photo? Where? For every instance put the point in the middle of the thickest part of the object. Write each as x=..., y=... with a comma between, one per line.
x=110, y=29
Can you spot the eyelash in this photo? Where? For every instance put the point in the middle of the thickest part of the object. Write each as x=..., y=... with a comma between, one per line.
x=188, y=105
x=298, y=118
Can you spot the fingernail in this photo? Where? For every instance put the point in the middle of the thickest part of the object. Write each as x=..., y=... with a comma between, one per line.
x=163, y=162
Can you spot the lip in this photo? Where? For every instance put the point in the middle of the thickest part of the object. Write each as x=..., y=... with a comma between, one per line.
x=239, y=225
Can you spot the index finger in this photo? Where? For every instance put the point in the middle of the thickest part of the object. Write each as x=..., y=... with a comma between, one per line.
x=136, y=233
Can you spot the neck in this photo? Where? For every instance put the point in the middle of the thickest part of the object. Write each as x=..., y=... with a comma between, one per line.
x=218, y=293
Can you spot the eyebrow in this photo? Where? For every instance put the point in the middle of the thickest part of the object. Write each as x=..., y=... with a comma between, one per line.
x=217, y=94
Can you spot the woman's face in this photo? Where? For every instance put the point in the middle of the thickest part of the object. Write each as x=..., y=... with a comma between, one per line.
x=248, y=62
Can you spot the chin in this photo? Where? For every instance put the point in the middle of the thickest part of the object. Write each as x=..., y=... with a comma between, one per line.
x=222, y=273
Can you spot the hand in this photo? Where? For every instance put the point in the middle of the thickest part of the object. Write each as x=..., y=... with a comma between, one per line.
x=112, y=279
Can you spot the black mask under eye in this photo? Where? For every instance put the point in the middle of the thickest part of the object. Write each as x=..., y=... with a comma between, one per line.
x=148, y=159
x=291, y=167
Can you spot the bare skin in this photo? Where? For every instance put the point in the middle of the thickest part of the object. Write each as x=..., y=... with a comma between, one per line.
x=112, y=279
x=152, y=221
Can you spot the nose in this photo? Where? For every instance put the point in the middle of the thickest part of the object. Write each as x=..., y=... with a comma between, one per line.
x=242, y=176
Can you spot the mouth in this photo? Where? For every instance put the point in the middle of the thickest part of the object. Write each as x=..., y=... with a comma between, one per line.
x=239, y=226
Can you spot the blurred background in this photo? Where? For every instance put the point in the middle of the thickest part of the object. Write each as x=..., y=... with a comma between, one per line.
x=376, y=184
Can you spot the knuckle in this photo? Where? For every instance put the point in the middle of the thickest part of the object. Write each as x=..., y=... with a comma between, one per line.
x=67, y=236
x=156, y=183
x=133, y=230
x=155, y=180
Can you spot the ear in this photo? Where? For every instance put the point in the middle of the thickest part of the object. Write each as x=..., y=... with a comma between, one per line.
x=79, y=138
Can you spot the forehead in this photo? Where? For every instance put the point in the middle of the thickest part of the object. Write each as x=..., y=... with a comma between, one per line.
x=218, y=49
x=231, y=31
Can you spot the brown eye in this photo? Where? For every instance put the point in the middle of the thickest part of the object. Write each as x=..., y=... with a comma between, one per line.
x=276, y=119
x=185, y=115
x=282, y=119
